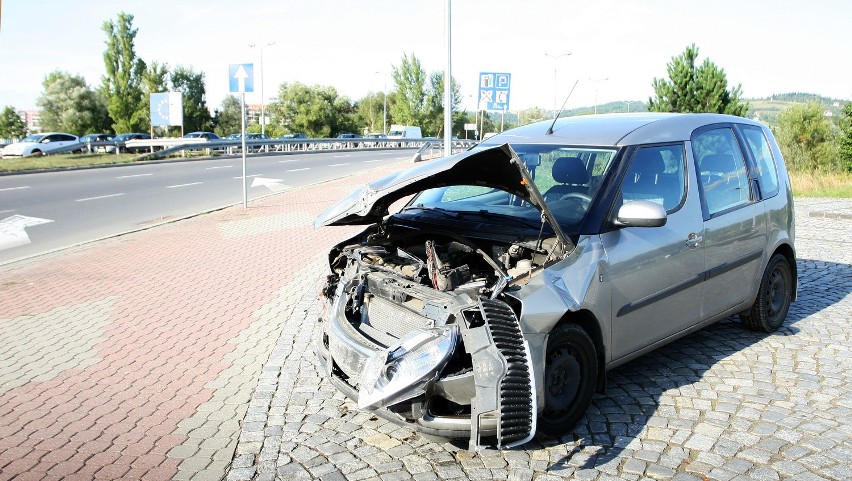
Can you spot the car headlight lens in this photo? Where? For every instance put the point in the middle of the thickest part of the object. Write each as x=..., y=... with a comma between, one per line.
x=402, y=371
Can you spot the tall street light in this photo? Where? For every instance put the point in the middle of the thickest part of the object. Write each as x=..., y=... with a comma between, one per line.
x=555, y=64
x=262, y=101
x=596, y=81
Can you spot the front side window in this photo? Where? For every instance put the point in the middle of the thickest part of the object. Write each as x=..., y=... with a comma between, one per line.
x=722, y=170
x=656, y=173
x=762, y=153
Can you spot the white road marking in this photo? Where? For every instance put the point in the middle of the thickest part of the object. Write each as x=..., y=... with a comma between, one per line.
x=371, y=161
x=286, y=161
x=401, y=158
x=220, y=167
x=15, y=188
x=249, y=176
x=298, y=170
x=338, y=165
x=131, y=176
x=342, y=156
x=12, y=230
x=6, y=211
x=98, y=197
x=183, y=185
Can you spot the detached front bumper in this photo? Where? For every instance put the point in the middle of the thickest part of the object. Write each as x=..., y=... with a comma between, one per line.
x=491, y=401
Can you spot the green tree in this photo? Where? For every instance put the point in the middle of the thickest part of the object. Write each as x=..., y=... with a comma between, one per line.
x=124, y=71
x=196, y=115
x=695, y=89
x=433, y=123
x=227, y=120
x=68, y=104
x=411, y=107
x=12, y=126
x=370, y=112
x=844, y=140
x=316, y=111
x=806, y=138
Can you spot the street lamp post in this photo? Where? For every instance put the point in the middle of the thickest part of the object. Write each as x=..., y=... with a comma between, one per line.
x=555, y=64
x=628, y=102
x=596, y=81
x=262, y=101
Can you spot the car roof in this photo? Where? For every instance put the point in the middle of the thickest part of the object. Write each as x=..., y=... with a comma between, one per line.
x=615, y=129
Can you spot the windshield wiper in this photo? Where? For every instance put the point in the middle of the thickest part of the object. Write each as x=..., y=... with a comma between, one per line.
x=494, y=215
x=448, y=213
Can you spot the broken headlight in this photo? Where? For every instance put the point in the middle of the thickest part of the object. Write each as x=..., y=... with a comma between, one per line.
x=402, y=371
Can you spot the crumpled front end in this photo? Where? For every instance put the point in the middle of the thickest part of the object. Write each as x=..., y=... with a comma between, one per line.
x=418, y=331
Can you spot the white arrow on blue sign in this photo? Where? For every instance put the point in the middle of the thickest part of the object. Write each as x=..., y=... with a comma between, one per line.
x=241, y=77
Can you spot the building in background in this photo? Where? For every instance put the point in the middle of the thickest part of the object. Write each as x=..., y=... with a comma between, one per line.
x=32, y=118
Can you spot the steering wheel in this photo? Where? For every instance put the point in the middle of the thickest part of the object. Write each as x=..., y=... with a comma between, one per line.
x=583, y=199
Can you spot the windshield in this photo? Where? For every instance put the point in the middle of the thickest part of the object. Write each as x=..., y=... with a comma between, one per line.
x=567, y=177
x=32, y=138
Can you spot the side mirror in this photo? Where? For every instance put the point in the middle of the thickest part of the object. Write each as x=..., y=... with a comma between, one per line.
x=641, y=213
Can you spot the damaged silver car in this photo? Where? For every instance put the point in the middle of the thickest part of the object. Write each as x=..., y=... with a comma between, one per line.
x=492, y=304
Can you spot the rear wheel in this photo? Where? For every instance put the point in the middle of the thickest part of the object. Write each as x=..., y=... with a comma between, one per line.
x=773, y=299
x=570, y=372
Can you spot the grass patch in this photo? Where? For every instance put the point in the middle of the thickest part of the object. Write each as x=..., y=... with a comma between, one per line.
x=817, y=184
x=63, y=161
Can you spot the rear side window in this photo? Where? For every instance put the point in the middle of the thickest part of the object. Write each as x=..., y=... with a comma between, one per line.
x=657, y=174
x=722, y=170
x=762, y=153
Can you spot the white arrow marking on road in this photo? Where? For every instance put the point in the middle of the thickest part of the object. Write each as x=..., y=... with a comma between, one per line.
x=12, y=230
x=274, y=185
x=241, y=77
x=15, y=188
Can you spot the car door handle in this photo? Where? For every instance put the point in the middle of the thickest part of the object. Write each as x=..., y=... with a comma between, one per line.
x=693, y=240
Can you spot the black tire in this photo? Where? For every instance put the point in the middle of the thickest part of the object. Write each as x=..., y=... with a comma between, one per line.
x=773, y=299
x=570, y=376
x=36, y=153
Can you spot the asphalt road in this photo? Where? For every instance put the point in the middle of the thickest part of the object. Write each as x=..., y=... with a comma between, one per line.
x=41, y=212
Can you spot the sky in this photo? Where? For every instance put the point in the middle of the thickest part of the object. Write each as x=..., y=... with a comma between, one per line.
x=617, y=47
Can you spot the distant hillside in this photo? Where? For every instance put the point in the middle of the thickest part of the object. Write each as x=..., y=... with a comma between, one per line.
x=767, y=109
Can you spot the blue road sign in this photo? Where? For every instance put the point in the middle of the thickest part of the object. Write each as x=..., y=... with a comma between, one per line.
x=494, y=91
x=241, y=77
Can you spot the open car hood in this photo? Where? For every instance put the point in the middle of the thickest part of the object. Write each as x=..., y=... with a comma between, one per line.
x=496, y=167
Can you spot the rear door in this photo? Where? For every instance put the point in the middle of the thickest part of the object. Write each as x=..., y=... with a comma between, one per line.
x=734, y=222
x=655, y=273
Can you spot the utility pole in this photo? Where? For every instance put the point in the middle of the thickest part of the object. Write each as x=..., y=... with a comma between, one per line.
x=555, y=65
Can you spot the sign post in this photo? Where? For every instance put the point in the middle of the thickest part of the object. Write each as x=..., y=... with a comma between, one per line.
x=241, y=80
x=494, y=89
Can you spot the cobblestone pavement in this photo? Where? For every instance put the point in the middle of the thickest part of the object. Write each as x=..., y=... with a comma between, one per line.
x=185, y=352
x=721, y=404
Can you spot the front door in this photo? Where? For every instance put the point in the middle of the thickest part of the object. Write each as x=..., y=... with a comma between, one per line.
x=655, y=273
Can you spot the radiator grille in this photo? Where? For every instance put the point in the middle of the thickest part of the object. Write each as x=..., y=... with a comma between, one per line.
x=390, y=318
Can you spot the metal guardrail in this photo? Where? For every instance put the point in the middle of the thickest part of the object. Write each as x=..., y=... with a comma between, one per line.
x=160, y=148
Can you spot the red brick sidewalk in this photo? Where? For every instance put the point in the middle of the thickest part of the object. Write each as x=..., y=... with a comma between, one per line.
x=108, y=347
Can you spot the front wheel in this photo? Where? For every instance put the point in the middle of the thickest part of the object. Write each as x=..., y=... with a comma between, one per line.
x=773, y=299
x=570, y=373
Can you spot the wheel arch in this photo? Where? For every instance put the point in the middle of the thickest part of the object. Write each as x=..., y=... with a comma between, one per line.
x=787, y=251
x=586, y=320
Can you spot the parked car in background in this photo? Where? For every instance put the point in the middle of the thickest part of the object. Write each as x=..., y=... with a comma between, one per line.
x=296, y=135
x=201, y=135
x=120, y=141
x=494, y=302
x=234, y=137
x=89, y=139
x=376, y=136
x=39, y=144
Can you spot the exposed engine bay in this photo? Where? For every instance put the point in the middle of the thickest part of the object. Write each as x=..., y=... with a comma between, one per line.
x=420, y=327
